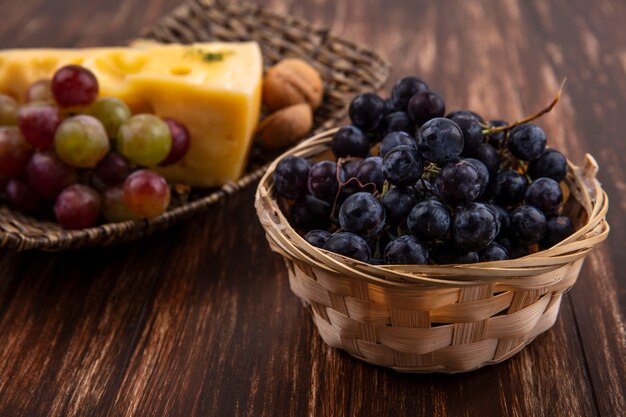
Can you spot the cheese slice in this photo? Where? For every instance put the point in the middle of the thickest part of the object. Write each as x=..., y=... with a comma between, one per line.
x=212, y=88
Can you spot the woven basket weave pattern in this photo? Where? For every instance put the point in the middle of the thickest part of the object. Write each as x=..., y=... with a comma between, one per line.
x=346, y=68
x=435, y=318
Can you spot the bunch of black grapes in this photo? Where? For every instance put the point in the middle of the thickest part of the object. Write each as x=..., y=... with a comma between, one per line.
x=414, y=185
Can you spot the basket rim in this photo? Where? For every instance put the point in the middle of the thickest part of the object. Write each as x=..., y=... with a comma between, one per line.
x=532, y=271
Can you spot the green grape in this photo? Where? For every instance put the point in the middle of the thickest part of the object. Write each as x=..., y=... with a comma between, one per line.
x=112, y=112
x=145, y=140
x=81, y=141
x=8, y=110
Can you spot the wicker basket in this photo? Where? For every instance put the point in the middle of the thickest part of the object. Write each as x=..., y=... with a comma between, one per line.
x=347, y=69
x=435, y=318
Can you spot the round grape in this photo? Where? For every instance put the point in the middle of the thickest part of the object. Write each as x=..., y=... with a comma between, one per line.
x=112, y=113
x=349, y=245
x=22, y=197
x=545, y=194
x=145, y=140
x=38, y=122
x=181, y=141
x=405, y=250
x=324, y=178
x=350, y=141
x=310, y=213
x=483, y=173
x=291, y=176
x=527, y=141
x=317, y=238
x=458, y=183
x=402, y=166
x=493, y=252
x=440, y=140
x=472, y=134
x=551, y=164
x=497, y=139
x=8, y=110
x=14, y=152
x=112, y=169
x=393, y=139
x=404, y=89
x=424, y=189
x=81, y=141
x=114, y=207
x=398, y=121
x=367, y=111
x=146, y=193
x=370, y=171
x=77, y=207
x=363, y=214
x=429, y=220
x=528, y=225
x=40, y=90
x=510, y=187
x=424, y=106
x=73, y=85
x=47, y=174
x=558, y=228
x=503, y=220
x=398, y=202
x=474, y=227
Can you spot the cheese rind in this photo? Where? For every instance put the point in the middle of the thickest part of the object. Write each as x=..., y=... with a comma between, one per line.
x=218, y=100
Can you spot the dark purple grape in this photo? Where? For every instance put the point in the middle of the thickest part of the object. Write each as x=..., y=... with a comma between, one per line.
x=424, y=189
x=474, y=227
x=406, y=250
x=48, y=175
x=493, y=252
x=350, y=245
x=458, y=114
x=77, y=207
x=351, y=184
x=394, y=139
x=545, y=194
x=310, y=213
x=324, y=179
x=551, y=164
x=181, y=141
x=112, y=169
x=317, y=238
x=363, y=214
x=528, y=225
x=503, y=219
x=488, y=155
x=527, y=141
x=458, y=183
x=424, y=106
x=558, y=228
x=440, y=140
x=404, y=89
x=510, y=188
x=398, y=202
x=429, y=220
x=350, y=141
x=472, y=135
x=402, y=166
x=398, y=121
x=483, y=173
x=370, y=171
x=446, y=255
x=351, y=166
x=367, y=111
x=497, y=139
x=22, y=197
x=291, y=177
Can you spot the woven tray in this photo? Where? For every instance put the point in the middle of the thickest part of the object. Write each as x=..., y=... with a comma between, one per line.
x=346, y=68
x=435, y=318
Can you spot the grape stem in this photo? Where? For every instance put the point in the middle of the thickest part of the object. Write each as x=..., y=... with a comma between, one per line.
x=492, y=129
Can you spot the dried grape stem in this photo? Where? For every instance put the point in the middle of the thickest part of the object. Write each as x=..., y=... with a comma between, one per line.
x=530, y=118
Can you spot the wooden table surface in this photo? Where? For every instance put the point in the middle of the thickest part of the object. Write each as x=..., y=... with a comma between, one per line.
x=199, y=320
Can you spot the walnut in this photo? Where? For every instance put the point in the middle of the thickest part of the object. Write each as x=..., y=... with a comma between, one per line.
x=284, y=127
x=292, y=81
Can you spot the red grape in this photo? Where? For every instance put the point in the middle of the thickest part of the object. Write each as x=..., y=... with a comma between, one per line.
x=74, y=85
x=48, y=175
x=38, y=122
x=39, y=91
x=14, y=152
x=113, y=169
x=22, y=197
x=77, y=207
x=146, y=193
x=114, y=209
x=180, y=141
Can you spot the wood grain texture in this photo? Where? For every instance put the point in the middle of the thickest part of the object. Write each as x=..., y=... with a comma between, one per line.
x=199, y=320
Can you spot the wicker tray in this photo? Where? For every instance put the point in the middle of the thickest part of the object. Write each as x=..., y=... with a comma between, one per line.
x=347, y=69
x=435, y=318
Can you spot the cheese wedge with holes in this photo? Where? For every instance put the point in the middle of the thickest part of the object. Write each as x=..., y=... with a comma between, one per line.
x=212, y=88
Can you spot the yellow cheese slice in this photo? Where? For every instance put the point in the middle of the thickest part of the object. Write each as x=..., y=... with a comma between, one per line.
x=212, y=88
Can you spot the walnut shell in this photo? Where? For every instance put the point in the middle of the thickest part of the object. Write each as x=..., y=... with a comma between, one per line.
x=292, y=81
x=284, y=127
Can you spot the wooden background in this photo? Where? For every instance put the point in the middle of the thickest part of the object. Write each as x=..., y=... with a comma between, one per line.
x=199, y=320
